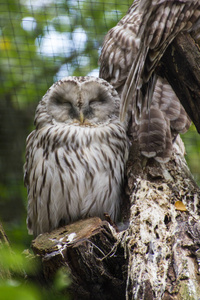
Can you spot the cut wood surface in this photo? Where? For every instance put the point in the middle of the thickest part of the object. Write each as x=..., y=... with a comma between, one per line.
x=92, y=251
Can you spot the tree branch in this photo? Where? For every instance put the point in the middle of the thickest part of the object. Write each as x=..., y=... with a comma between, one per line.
x=181, y=67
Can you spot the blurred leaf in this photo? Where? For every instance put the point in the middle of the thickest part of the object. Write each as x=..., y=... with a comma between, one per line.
x=62, y=279
x=15, y=261
x=11, y=289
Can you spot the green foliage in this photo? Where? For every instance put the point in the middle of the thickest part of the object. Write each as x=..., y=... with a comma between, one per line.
x=11, y=289
x=14, y=261
x=17, y=271
x=191, y=140
x=62, y=280
x=13, y=268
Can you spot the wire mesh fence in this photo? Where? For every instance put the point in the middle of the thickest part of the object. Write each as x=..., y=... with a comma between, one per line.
x=42, y=41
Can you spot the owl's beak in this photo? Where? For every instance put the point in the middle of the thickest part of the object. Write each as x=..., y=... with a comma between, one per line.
x=82, y=119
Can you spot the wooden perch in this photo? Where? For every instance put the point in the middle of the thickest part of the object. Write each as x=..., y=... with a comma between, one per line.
x=157, y=257
x=94, y=255
x=181, y=67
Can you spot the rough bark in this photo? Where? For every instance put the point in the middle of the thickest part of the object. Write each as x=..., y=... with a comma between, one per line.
x=92, y=251
x=156, y=257
x=181, y=65
x=163, y=241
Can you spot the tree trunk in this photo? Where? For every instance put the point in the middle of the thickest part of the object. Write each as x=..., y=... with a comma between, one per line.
x=164, y=232
x=156, y=257
x=180, y=65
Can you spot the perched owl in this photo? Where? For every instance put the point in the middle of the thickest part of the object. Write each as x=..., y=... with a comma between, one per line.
x=76, y=156
x=131, y=52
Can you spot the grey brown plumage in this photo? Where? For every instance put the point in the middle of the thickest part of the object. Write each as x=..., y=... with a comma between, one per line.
x=75, y=158
x=131, y=52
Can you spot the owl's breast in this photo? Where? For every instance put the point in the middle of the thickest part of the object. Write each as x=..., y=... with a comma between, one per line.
x=76, y=172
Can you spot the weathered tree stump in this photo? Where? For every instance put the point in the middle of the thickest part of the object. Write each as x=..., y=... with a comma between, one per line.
x=91, y=250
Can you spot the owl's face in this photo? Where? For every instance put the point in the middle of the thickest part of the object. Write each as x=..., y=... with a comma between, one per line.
x=82, y=100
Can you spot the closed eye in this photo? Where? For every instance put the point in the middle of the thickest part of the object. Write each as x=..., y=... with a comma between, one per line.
x=98, y=100
x=93, y=102
x=62, y=101
x=59, y=98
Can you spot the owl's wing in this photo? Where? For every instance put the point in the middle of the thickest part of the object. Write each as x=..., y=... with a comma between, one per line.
x=129, y=66
x=27, y=169
x=43, y=181
x=29, y=144
x=161, y=21
x=120, y=48
x=158, y=126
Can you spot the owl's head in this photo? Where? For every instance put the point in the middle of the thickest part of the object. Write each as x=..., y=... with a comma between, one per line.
x=87, y=101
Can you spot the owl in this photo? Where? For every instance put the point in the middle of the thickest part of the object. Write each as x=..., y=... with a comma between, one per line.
x=130, y=54
x=76, y=156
